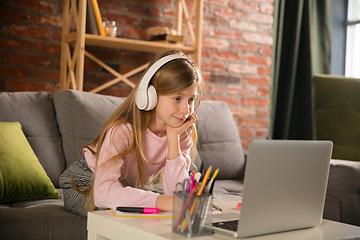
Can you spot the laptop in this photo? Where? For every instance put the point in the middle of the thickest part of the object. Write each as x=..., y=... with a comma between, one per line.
x=284, y=188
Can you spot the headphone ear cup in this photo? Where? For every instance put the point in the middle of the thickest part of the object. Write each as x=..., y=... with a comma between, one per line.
x=152, y=98
x=140, y=100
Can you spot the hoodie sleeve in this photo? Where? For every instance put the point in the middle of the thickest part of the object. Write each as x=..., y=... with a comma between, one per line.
x=108, y=190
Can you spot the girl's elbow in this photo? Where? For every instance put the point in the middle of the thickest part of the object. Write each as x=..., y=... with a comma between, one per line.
x=97, y=201
x=100, y=201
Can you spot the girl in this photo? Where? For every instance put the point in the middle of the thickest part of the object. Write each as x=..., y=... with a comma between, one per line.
x=152, y=130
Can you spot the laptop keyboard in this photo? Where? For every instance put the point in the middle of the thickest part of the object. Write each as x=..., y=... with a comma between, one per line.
x=228, y=225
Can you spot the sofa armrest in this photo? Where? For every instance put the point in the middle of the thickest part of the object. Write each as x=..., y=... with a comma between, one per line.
x=344, y=176
x=344, y=187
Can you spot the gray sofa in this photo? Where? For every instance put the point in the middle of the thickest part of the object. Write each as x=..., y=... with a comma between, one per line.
x=58, y=126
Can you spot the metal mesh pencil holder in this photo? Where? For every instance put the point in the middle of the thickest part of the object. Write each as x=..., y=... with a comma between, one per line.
x=192, y=214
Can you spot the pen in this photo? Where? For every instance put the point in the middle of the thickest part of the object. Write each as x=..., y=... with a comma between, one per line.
x=217, y=208
x=138, y=210
x=201, y=168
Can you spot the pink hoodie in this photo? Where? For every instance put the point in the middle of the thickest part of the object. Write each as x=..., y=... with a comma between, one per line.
x=109, y=192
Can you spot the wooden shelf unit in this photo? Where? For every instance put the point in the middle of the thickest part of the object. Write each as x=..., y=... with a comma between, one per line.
x=72, y=59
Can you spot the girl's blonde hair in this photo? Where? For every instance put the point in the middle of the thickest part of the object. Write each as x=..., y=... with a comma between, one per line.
x=173, y=77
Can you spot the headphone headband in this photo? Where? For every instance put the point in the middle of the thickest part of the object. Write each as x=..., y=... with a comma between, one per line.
x=142, y=96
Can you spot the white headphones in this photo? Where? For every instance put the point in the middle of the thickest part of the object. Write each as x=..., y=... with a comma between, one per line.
x=146, y=96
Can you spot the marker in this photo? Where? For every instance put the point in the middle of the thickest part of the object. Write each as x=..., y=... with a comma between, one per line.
x=138, y=210
x=197, y=177
x=238, y=207
x=192, y=181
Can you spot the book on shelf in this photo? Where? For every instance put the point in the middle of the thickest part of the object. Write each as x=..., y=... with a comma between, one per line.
x=168, y=37
x=91, y=25
x=98, y=17
x=161, y=30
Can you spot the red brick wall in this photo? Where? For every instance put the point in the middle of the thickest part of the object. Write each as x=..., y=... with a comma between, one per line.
x=236, y=56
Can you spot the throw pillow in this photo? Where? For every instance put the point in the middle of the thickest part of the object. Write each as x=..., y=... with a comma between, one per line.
x=22, y=177
x=219, y=141
x=81, y=116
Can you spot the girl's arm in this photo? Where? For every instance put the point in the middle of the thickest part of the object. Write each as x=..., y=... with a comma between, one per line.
x=108, y=191
x=178, y=162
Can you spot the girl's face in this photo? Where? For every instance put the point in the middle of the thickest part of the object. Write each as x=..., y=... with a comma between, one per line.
x=173, y=110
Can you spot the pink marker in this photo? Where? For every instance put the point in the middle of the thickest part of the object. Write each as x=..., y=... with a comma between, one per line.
x=138, y=210
x=192, y=181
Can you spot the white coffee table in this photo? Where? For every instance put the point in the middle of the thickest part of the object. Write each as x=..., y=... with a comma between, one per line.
x=103, y=225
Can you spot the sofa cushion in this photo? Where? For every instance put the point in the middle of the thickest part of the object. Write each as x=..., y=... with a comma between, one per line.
x=35, y=112
x=45, y=222
x=81, y=116
x=219, y=140
x=40, y=202
x=21, y=177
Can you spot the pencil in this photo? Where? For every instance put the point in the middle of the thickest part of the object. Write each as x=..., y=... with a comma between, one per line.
x=215, y=174
x=203, y=184
x=211, y=182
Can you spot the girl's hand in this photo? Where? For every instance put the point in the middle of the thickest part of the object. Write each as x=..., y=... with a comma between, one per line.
x=177, y=131
x=173, y=136
x=165, y=203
